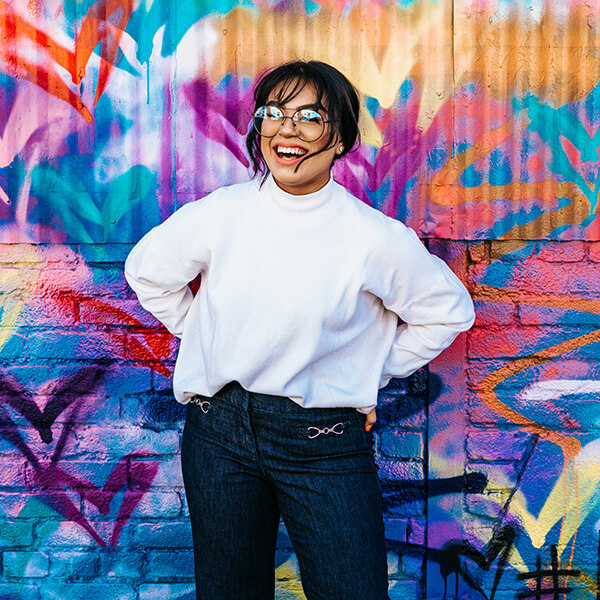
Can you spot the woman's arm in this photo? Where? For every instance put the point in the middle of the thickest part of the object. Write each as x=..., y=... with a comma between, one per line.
x=431, y=301
x=165, y=260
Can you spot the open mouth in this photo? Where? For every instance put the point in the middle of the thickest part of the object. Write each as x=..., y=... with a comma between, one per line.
x=290, y=152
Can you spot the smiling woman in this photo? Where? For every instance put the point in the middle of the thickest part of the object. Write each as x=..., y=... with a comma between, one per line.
x=306, y=116
x=286, y=343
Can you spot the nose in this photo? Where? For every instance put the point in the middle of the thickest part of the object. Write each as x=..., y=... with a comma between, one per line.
x=287, y=127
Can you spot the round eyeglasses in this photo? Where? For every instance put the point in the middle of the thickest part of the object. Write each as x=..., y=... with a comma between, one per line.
x=308, y=123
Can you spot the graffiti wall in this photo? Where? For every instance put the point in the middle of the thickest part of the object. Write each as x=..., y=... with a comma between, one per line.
x=480, y=124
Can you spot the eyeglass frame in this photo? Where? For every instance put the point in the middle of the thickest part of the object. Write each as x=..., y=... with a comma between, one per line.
x=295, y=124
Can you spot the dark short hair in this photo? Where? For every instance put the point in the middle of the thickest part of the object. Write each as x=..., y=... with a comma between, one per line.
x=335, y=94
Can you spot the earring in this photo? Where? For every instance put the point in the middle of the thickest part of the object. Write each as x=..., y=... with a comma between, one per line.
x=340, y=149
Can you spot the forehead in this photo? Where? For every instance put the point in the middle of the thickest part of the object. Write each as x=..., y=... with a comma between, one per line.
x=305, y=95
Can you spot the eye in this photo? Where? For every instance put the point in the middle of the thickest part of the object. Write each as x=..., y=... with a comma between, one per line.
x=269, y=112
x=307, y=115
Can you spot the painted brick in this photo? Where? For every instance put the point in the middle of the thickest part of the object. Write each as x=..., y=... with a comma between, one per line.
x=500, y=476
x=12, y=472
x=153, y=408
x=504, y=249
x=397, y=529
x=494, y=314
x=18, y=283
x=95, y=472
x=112, y=314
x=110, y=253
x=479, y=252
x=74, y=565
x=401, y=444
x=167, y=591
x=169, y=474
x=63, y=345
x=417, y=531
x=562, y=252
x=109, y=279
x=515, y=342
x=594, y=251
x=134, y=340
x=412, y=565
x=128, y=379
x=108, y=442
x=176, y=564
x=289, y=589
x=162, y=383
x=398, y=470
x=13, y=502
x=404, y=590
x=406, y=411
x=48, y=311
x=480, y=413
x=15, y=534
x=496, y=445
x=18, y=591
x=85, y=591
x=394, y=566
x=70, y=534
x=573, y=314
x=117, y=563
x=22, y=254
x=25, y=564
x=486, y=505
x=164, y=535
x=287, y=568
x=13, y=348
x=164, y=505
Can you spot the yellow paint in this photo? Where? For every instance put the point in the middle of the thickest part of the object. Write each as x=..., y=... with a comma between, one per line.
x=377, y=47
x=286, y=575
x=10, y=314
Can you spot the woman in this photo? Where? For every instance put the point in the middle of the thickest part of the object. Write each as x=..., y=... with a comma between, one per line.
x=293, y=330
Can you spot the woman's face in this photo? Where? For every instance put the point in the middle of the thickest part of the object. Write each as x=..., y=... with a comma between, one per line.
x=313, y=173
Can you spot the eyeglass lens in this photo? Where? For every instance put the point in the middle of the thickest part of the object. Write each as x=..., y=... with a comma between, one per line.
x=309, y=124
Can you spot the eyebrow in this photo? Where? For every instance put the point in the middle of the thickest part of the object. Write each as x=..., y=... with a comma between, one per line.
x=316, y=107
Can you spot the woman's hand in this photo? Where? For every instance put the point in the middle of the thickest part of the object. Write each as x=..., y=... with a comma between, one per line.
x=371, y=418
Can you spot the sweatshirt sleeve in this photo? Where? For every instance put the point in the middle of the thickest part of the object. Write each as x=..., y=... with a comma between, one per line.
x=431, y=301
x=165, y=260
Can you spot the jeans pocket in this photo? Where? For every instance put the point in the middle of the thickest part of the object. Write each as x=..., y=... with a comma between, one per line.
x=208, y=419
x=320, y=435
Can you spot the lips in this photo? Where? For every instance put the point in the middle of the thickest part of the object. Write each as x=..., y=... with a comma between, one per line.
x=289, y=153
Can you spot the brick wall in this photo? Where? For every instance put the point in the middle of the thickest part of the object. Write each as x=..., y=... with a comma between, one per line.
x=493, y=448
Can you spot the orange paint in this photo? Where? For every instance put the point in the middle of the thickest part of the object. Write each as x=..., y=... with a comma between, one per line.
x=570, y=446
x=104, y=23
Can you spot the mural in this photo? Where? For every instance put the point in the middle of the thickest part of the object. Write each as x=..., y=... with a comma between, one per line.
x=480, y=126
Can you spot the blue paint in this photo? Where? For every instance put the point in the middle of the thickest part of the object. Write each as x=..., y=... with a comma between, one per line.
x=500, y=172
x=406, y=89
x=471, y=177
x=436, y=159
x=553, y=124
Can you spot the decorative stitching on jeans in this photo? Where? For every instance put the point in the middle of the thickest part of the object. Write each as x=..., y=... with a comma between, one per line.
x=326, y=430
x=201, y=403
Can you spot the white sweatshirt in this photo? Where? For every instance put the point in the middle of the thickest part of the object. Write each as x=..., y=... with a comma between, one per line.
x=300, y=295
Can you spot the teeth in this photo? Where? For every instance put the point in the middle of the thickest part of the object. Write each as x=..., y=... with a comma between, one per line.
x=290, y=151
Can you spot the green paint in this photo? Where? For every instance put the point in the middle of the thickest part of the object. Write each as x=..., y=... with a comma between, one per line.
x=124, y=192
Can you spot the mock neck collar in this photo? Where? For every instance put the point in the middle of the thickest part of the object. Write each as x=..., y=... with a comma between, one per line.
x=300, y=203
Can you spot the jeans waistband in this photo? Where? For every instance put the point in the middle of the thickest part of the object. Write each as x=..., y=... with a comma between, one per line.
x=235, y=395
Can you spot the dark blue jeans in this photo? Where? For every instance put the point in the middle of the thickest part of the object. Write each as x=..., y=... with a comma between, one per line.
x=248, y=458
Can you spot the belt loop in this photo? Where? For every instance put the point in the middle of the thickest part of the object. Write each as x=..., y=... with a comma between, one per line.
x=243, y=396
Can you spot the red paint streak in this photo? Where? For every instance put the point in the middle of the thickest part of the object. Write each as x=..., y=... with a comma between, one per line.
x=156, y=344
x=104, y=23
